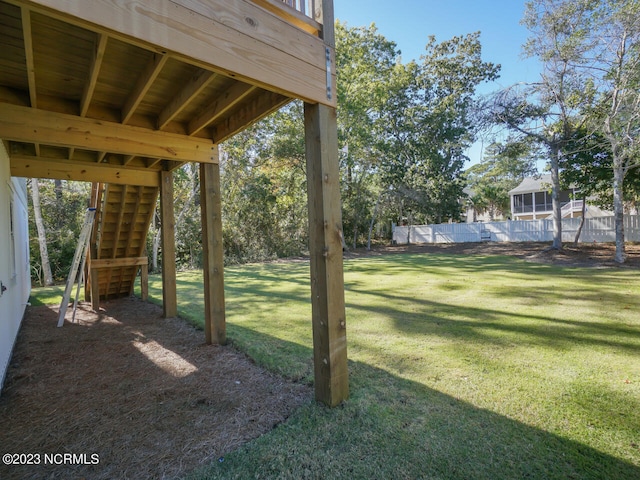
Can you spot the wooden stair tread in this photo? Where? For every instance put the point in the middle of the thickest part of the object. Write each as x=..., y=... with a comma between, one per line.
x=123, y=216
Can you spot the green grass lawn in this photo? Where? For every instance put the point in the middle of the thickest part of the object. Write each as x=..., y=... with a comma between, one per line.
x=466, y=367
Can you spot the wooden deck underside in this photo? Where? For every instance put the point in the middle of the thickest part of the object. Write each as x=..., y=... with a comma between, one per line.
x=117, y=92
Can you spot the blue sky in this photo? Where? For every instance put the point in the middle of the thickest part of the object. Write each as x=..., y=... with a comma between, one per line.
x=409, y=23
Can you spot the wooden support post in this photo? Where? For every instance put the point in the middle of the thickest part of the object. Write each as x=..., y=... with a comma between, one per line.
x=168, y=225
x=325, y=247
x=144, y=282
x=213, y=255
x=95, y=290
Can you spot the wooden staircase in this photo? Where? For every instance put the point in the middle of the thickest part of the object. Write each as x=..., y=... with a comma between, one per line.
x=117, y=247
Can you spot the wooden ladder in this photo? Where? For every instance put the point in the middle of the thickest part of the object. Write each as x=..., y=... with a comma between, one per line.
x=76, y=272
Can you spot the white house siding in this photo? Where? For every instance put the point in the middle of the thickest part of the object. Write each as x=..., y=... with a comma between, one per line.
x=14, y=259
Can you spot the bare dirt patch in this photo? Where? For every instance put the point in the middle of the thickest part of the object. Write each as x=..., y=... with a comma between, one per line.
x=143, y=393
x=584, y=255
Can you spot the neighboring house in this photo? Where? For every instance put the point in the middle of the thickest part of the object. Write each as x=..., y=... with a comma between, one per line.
x=15, y=281
x=531, y=200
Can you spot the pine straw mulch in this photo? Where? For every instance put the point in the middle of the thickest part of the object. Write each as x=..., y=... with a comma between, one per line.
x=144, y=393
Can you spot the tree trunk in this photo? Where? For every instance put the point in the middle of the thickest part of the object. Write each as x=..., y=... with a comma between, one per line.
x=555, y=198
x=155, y=245
x=42, y=238
x=58, y=191
x=584, y=213
x=618, y=211
x=373, y=220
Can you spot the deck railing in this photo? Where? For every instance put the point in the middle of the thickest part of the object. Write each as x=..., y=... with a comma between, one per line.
x=306, y=7
x=306, y=14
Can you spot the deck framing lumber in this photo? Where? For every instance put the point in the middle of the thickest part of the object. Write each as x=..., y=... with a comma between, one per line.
x=23, y=124
x=96, y=63
x=213, y=254
x=168, y=229
x=325, y=249
x=42, y=167
x=241, y=39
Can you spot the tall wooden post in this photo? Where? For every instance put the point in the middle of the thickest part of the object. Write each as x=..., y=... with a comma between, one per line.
x=213, y=255
x=325, y=247
x=168, y=225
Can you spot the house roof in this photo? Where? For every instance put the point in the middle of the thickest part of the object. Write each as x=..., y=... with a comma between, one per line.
x=532, y=184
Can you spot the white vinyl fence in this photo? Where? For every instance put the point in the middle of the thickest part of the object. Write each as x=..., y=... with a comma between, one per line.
x=600, y=229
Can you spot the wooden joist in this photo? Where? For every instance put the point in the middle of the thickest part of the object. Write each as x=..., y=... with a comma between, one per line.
x=145, y=81
x=96, y=63
x=28, y=50
x=240, y=39
x=222, y=105
x=196, y=85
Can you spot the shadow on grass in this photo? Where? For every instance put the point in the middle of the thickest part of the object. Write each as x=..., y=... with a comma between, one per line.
x=463, y=265
x=441, y=319
x=396, y=428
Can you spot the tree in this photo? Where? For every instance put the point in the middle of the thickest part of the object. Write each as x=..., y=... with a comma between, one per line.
x=587, y=166
x=42, y=235
x=365, y=62
x=432, y=122
x=592, y=50
x=552, y=110
x=263, y=179
x=58, y=209
x=503, y=168
x=401, y=135
x=616, y=27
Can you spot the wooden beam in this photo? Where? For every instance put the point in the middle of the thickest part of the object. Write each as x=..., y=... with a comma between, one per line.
x=168, y=226
x=325, y=248
x=213, y=256
x=28, y=52
x=31, y=125
x=189, y=92
x=218, y=108
x=96, y=63
x=146, y=79
x=262, y=106
x=55, y=168
x=101, y=263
